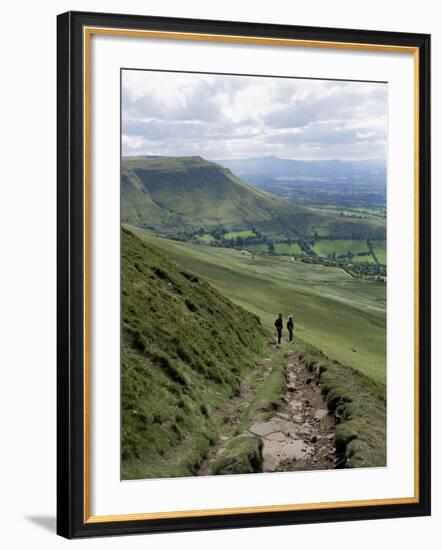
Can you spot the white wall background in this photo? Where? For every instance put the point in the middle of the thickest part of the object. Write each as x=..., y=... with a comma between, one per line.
x=28, y=278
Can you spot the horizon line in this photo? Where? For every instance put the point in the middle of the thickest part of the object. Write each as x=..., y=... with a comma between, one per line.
x=378, y=159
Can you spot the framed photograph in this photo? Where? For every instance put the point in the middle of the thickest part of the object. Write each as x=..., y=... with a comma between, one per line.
x=243, y=274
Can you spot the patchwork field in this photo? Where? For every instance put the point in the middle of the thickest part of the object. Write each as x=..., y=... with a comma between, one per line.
x=342, y=316
x=380, y=251
x=376, y=212
x=243, y=234
x=206, y=238
x=283, y=248
x=324, y=247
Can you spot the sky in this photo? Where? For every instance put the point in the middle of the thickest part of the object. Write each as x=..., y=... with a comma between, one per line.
x=226, y=117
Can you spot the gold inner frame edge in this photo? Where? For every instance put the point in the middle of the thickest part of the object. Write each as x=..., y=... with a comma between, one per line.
x=87, y=33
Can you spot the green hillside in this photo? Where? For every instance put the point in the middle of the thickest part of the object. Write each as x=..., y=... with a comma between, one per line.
x=175, y=194
x=185, y=349
x=189, y=191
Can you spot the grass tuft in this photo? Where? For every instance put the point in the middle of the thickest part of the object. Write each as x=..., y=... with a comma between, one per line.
x=242, y=455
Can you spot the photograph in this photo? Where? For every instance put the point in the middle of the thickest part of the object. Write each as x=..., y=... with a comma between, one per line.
x=253, y=274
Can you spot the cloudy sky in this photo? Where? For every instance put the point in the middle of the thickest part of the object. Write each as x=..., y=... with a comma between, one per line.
x=224, y=117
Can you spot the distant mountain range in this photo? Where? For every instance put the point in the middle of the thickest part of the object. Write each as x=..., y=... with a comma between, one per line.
x=272, y=167
x=175, y=194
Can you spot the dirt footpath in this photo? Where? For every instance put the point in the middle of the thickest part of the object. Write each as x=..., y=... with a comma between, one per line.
x=298, y=436
x=302, y=437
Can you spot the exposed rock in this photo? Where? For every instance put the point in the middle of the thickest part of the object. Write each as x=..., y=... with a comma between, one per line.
x=264, y=428
x=320, y=413
x=295, y=405
x=275, y=452
x=276, y=436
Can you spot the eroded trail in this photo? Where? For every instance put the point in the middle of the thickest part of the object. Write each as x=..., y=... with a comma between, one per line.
x=233, y=413
x=299, y=435
x=302, y=437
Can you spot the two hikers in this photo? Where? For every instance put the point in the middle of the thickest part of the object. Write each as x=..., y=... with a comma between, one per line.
x=290, y=327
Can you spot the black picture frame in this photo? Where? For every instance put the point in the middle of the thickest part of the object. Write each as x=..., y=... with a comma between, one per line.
x=71, y=497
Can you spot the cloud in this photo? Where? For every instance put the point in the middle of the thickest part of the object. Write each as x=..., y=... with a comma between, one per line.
x=331, y=101
x=221, y=116
x=327, y=134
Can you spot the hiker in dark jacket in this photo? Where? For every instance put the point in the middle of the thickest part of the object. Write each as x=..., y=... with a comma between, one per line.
x=290, y=326
x=278, y=324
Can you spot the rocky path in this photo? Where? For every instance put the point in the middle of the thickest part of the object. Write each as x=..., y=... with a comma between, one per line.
x=298, y=437
x=302, y=437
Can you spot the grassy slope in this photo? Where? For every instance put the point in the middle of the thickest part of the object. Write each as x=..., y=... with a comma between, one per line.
x=185, y=351
x=262, y=247
x=344, y=317
x=174, y=193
